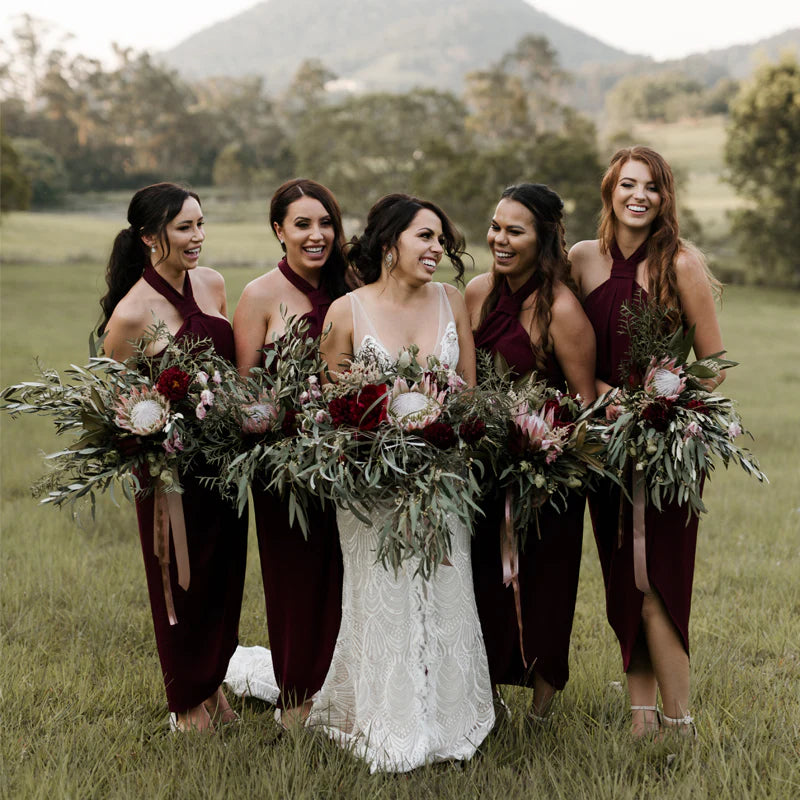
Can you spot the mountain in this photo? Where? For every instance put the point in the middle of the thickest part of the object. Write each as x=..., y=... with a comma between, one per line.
x=390, y=45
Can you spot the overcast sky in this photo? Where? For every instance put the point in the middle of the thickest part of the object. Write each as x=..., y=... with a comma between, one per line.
x=671, y=29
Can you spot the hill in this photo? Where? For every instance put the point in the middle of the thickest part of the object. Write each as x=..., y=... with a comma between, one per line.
x=380, y=45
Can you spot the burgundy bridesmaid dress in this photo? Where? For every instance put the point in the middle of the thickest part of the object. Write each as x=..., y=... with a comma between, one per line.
x=670, y=541
x=302, y=577
x=195, y=652
x=548, y=566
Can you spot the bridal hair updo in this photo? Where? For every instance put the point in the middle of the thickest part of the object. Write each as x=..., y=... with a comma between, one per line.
x=150, y=211
x=386, y=221
x=552, y=264
x=664, y=244
x=332, y=274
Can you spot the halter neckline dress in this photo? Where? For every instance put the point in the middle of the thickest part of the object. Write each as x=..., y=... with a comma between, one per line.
x=671, y=534
x=548, y=566
x=194, y=653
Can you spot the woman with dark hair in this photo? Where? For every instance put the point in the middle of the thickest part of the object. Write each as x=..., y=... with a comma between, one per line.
x=148, y=282
x=408, y=682
x=302, y=576
x=639, y=255
x=524, y=310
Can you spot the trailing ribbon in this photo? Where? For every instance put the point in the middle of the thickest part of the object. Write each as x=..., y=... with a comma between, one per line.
x=509, y=555
x=168, y=515
x=639, y=539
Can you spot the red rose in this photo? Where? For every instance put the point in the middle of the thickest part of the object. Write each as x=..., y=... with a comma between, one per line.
x=439, y=434
x=658, y=413
x=472, y=429
x=562, y=415
x=339, y=408
x=173, y=383
x=369, y=407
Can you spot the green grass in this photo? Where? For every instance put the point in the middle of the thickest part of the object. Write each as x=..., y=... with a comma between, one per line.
x=83, y=707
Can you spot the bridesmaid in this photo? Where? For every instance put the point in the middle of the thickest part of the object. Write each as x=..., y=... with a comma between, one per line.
x=525, y=310
x=148, y=281
x=639, y=254
x=302, y=577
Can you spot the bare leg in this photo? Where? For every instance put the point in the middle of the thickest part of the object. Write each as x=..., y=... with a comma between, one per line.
x=219, y=708
x=543, y=693
x=643, y=690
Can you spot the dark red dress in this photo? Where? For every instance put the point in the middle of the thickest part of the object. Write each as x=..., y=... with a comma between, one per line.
x=302, y=577
x=548, y=567
x=670, y=541
x=195, y=652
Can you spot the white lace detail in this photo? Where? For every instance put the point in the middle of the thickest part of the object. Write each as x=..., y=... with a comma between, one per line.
x=409, y=681
x=250, y=674
x=371, y=349
x=448, y=347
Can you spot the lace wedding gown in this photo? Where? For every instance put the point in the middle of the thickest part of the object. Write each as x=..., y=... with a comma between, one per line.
x=409, y=681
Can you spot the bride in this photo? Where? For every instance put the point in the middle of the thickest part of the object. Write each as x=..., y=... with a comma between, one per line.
x=409, y=681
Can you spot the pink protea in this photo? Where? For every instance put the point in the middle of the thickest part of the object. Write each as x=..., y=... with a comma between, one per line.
x=260, y=416
x=538, y=431
x=416, y=406
x=143, y=411
x=664, y=379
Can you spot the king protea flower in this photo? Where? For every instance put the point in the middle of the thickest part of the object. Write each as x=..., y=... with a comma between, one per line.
x=414, y=407
x=664, y=379
x=143, y=411
x=539, y=432
x=260, y=416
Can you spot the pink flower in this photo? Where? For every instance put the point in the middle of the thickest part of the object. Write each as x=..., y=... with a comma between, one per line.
x=207, y=397
x=172, y=444
x=217, y=378
x=200, y=411
x=143, y=411
x=202, y=378
x=692, y=430
x=322, y=417
x=734, y=430
x=664, y=379
x=259, y=417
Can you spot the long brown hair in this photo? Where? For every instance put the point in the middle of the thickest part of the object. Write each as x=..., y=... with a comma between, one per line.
x=552, y=264
x=664, y=243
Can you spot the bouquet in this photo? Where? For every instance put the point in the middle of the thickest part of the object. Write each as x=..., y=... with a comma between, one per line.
x=392, y=442
x=262, y=410
x=664, y=427
x=552, y=445
x=126, y=423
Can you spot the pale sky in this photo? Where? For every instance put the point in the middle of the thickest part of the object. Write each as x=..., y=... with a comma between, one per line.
x=671, y=29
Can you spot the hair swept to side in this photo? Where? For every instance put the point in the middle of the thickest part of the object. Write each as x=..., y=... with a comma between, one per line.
x=664, y=243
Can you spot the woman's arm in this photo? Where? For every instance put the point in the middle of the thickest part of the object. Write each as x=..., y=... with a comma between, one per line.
x=122, y=331
x=574, y=343
x=466, y=343
x=250, y=327
x=697, y=302
x=336, y=348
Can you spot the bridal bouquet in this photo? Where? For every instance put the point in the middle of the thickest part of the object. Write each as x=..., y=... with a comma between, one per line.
x=552, y=445
x=126, y=422
x=398, y=443
x=664, y=426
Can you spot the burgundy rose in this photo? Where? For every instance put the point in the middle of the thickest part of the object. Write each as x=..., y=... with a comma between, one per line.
x=340, y=410
x=289, y=424
x=369, y=408
x=658, y=413
x=472, y=430
x=439, y=434
x=699, y=406
x=173, y=383
x=562, y=415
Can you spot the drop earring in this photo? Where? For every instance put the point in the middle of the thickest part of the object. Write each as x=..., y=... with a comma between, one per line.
x=388, y=260
x=152, y=248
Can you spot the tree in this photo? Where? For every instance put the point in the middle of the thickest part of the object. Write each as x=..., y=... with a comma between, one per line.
x=762, y=153
x=15, y=186
x=44, y=169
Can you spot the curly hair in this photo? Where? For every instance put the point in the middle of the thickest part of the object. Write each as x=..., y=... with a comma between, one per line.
x=386, y=221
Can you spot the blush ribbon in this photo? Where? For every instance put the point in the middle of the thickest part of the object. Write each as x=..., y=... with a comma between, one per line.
x=168, y=516
x=509, y=555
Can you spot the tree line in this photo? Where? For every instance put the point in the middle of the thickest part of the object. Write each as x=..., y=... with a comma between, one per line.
x=71, y=124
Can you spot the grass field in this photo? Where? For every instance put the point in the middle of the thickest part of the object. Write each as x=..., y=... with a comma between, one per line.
x=83, y=707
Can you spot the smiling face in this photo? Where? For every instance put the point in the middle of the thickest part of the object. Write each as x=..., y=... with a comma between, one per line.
x=179, y=246
x=307, y=232
x=513, y=241
x=419, y=248
x=635, y=199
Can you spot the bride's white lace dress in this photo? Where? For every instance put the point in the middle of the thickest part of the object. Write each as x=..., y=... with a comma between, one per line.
x=409, y=681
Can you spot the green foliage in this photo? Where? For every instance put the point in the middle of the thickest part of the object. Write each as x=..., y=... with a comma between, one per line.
x=45, y=171
x=15, y=185
x=763, y=157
